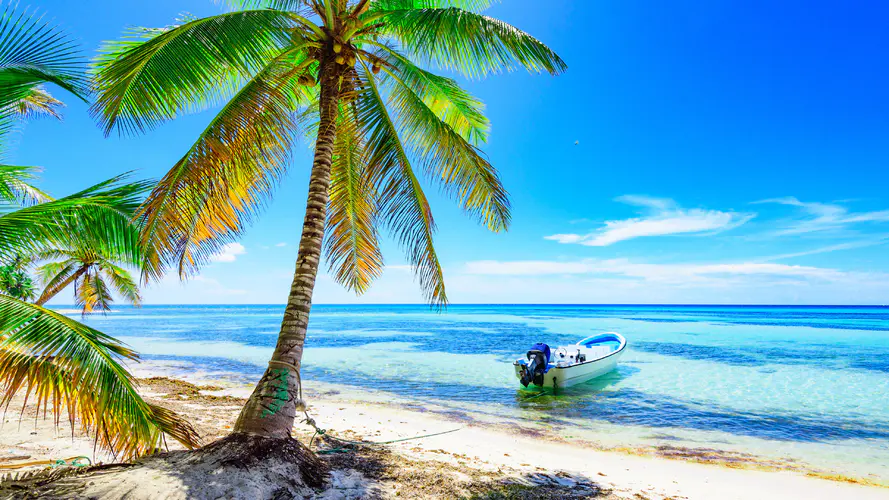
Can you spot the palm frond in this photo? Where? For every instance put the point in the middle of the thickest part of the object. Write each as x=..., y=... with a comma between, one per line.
x=16, y=282
x=52, y=271
x=60, y=362
x=56, y=276
x=155, y=75
x=32, y=52
x=403, y=205
x=15, y=186
x=456, y=164
x=352, y=247
x=286, y=5
x=209, y=197
x=92, y=293
x=122, y=283
x=473, y=5
x=459, y=109
x=98, y=217
x=39, y=103
x=470, y=43
x=57, y=254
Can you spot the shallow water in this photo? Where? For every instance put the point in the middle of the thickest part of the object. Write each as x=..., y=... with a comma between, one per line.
x=802, y=384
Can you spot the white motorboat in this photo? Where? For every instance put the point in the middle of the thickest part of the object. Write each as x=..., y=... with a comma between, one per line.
x=565, y=366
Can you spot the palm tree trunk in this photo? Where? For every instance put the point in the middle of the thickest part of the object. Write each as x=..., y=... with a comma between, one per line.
x=50, y=293
x=271, y=409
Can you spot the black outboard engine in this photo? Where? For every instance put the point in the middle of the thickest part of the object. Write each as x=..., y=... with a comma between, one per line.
x=538, y=359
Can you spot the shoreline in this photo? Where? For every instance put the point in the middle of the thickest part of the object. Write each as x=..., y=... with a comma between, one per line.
x=494, y=451
x=538, y=429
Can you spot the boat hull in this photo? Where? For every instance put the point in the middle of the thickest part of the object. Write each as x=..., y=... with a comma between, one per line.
x=558, y=377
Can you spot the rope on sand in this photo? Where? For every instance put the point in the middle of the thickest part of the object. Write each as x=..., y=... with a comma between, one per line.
x=322, y=432
x=62, y=462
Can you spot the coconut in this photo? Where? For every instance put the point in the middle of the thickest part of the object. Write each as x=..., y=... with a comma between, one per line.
x=337, y=48
x=351, y=60
x=340, y=60
x=375, y=69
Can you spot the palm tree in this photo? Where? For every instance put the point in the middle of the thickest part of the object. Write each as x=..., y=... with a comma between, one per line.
x=94, y=276
x=15, y=280
x=58, y=362
x=350, y=73
x=63, y=363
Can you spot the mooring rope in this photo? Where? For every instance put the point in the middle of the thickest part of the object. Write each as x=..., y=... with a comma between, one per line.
x=62, y=462
x=322, y=432
x=372, y=443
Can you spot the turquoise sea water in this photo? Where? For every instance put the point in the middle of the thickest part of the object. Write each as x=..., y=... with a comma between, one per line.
x=806, y=385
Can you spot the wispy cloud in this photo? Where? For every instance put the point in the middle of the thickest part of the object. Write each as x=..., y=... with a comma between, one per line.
x=400, y=267
x=824, y=216
x=229, y=253
x=665, y=217
x=282, y=244
x=832, y=248
x=695, y=274
x=214, y=287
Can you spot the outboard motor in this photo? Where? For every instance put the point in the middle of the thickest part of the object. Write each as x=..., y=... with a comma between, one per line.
x=538, y=359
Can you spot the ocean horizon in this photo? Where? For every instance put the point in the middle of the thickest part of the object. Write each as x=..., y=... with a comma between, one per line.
x=420, y=304
x=798, y=386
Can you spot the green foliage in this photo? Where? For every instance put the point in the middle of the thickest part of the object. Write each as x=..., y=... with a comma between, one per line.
x=98, y=217
x=470, y=5
x=55, y=358
x=245, y=151
x=15, y=280
x=15, y=187
x=352, y=243
x=92, y=274
x=154, y=75
x=392, y=114
x=34, y=52
x=39, y=103
x=469, y=43
x=403, y=204
x=58, y=361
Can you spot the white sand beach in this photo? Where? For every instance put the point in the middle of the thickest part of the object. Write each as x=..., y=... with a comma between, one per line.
x=475, y=451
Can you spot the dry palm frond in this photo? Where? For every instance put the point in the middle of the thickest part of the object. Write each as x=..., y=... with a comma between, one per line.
x=64, y=365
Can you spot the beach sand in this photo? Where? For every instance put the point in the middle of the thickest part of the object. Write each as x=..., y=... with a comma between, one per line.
x=480, y=459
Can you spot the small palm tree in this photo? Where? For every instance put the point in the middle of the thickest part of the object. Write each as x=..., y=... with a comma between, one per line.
x=15, y=280
x=58, y=362
x=349, y=72
x=93, y=275
x=63, y=363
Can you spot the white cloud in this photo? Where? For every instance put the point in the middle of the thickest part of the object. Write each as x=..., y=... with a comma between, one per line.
x=666, y=218
x=661, y=204
x=400, y=267
x=282, y=244
x=825, y=216
x=833, y=248
x=685, y=274
x=527, y=267
x=214, y=287
x=229, y=253
x=194, y=290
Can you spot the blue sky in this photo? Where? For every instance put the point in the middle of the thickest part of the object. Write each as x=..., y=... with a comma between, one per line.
x=694, y=152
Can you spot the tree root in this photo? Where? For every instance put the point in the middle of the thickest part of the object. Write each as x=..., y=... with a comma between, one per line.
x=237, y=466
